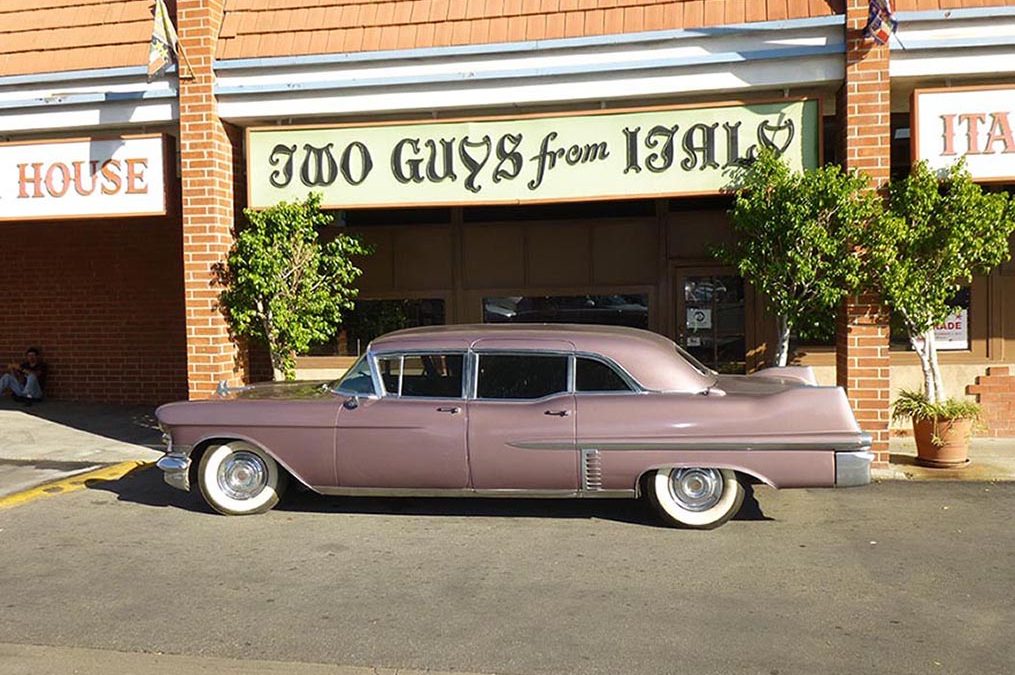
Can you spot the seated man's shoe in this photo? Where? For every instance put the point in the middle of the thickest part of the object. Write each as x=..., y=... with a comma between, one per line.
x=27, y=400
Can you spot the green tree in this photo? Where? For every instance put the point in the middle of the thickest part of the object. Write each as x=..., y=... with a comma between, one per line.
x=795, y=234
x=283, y=286
x=939, y=233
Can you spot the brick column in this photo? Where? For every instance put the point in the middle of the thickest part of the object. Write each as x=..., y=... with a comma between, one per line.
x=207, y=167
x=864, y=112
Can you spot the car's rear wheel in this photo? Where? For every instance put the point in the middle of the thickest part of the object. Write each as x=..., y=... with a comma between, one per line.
x=238, y=478
x=697, y=498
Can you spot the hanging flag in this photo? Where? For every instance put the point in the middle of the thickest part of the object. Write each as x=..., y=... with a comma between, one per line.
x=165, y=45
x=881, y=23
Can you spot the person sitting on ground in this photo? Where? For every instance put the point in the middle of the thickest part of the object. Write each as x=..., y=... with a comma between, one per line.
x=25, y=379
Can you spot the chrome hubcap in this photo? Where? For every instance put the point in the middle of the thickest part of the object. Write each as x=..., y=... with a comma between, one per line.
x=696, y=489
x=242, y=475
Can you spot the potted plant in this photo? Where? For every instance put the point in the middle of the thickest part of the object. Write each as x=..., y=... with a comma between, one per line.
x=934, y=236
x=941, y=429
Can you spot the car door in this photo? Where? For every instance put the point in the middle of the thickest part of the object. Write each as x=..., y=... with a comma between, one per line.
x=521, y=419
x=413, y=435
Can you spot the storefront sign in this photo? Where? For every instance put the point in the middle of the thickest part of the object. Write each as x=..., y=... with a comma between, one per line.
x=975, y=123
x=82, y=178
x=675, y=151
x=953, y=333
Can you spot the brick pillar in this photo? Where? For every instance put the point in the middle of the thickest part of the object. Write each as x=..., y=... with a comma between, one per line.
x=864, y=112
x=207, y=167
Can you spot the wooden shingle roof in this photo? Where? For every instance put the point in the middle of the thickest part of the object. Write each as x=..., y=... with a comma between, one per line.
x=258, y=28
x=41, y=36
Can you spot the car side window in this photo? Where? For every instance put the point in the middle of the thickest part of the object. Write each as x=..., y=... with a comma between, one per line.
x=521, y=376
x=594, y=375
x=357, y=380
x=422, y=375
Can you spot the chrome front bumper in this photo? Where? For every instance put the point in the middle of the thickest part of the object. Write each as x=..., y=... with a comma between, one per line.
x=853, y=468
x=175, y=465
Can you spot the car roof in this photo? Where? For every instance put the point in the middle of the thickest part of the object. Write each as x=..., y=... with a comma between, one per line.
x=651, y=359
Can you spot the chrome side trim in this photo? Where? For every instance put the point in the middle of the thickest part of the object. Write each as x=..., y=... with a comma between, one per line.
x=592, y=470
x=469, y=492
x=700, y=444
x=512, y=492
x=609, y=494
x=853, y=469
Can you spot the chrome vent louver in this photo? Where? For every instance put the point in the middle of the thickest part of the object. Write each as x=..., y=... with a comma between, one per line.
x=592, y=470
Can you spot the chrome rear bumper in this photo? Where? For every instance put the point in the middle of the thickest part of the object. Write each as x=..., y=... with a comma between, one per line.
x=853, y=468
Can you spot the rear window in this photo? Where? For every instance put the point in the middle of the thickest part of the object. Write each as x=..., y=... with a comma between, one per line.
x=695, y=363
x=594, y=375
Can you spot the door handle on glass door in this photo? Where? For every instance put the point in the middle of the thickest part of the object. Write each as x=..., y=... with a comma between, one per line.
x=453, y=410
x=558, y=413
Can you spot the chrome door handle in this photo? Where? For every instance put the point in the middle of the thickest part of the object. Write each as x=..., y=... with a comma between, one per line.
x=558, y=413
x=454, y=410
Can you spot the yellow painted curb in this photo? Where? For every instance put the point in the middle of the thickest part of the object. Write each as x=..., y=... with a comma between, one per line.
x=72, y=484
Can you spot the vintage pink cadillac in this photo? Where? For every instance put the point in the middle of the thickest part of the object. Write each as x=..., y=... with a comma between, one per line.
x=521, y=410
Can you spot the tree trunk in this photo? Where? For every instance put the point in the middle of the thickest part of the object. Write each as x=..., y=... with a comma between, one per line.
x=935, y=367
x=782, y=345
x=278, y=364
x=923, y=345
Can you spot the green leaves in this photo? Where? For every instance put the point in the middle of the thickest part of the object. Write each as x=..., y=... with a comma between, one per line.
x=916, y=406
x=283, y=286
x=796, y=237
x=935, y=236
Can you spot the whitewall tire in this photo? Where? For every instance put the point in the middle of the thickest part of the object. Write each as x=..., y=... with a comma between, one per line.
x=697, y=498
x=238, y=478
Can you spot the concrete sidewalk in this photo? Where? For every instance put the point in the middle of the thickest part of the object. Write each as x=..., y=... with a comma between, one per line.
x=990, y=459
x=56, y=439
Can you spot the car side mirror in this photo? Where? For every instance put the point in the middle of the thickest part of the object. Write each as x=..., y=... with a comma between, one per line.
x=351, y=403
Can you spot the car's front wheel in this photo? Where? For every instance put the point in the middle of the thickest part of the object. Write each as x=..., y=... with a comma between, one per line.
x=238, y=478
x=697, y=498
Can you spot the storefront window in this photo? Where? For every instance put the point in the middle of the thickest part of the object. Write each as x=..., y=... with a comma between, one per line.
x=952, y=335
x=372, y=318
x=613, y=310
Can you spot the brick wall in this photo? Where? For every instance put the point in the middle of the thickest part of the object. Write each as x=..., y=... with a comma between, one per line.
x=103, y=299
x=207, y=158
x=863, y=107
x=995, y=391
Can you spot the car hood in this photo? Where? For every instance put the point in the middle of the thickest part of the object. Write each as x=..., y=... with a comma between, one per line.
x=308, y=389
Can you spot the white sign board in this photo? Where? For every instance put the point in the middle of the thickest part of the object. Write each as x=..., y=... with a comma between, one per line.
x=699, y=318
x=562, y=157
x=82, y=178
x=953, y=333
x=977, y=124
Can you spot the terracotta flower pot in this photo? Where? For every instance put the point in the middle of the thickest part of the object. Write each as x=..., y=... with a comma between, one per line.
x=952, y=449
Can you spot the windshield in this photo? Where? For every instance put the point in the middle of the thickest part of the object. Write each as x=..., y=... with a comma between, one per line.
x=357, y=380
x=695, y=363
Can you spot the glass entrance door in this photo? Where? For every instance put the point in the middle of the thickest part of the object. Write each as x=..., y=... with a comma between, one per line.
x=711, y=318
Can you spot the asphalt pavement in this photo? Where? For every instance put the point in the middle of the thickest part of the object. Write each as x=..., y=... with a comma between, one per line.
x=897, y=577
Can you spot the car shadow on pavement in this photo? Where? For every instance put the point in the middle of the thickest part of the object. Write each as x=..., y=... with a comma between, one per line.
x=146, y=487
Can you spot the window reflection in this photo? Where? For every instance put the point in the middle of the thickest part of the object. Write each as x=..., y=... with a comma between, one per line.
x=613, y=310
